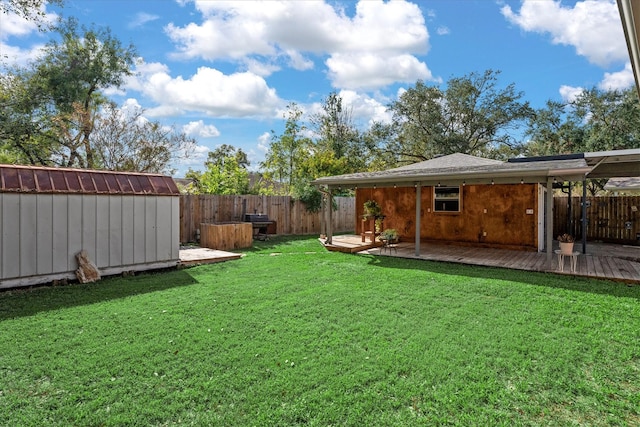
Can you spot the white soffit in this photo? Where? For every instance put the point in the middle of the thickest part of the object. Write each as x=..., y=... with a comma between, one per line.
x=630, y=16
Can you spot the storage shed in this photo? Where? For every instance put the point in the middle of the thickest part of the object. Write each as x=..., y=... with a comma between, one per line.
x=124, y=221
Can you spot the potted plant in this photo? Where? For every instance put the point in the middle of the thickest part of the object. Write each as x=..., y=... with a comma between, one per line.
x=372, y=209
x=390, y=235
x=566, y=243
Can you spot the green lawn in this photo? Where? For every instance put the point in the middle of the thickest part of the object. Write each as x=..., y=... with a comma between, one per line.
x=294, y=335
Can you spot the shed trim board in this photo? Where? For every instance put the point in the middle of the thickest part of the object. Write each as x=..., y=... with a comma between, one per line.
x=125, y=222
x=462, y=169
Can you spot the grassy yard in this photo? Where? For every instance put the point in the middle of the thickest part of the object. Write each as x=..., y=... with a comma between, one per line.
x=294, y=335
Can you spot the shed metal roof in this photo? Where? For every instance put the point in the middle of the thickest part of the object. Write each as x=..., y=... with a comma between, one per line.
x=35, y=179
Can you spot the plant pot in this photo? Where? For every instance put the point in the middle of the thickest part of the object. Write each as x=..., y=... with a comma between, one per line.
x=566, y=248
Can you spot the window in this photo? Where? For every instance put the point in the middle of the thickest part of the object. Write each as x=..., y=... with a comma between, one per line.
x=446, y=199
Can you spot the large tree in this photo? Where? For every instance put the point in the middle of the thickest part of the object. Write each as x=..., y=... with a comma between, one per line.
x=124, y=140
x=288, y=152
x=226, y=172
x=596, y=120
x=612, y=118
x=62, y=92
x=472, y=115
x=337, y=146
x=553, y=131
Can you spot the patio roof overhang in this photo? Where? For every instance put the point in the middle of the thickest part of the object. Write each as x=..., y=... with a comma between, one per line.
x=610, y=164
x=604, y=164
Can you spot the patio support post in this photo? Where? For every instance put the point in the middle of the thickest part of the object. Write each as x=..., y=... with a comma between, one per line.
x=548, y=219
x=418, y=209
x=330, y=215
x=584, y=216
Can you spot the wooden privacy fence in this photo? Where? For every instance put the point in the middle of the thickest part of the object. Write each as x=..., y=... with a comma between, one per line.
x=290, y=215
x=613, y=219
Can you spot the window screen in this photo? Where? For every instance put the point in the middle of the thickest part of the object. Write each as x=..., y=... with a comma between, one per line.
x=446, y=199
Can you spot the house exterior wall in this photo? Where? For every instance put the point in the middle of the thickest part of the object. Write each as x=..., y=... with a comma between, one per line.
x=510, y=220
x=41, y=233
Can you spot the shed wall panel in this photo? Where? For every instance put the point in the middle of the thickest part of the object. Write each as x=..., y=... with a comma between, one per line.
x=44, y=234
x=89, y=223
x=115, y=230
x=60, y=237
x=101, y=226
x=28, y=237
x=1, y=232
x=127, y=230
x=164, y=224
x=151, y=227
x=175, y=228
x=75, y=227
x=10, y=236
x=139, y=233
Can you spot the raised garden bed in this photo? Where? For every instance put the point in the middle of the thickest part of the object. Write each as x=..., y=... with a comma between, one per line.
x=226, y=235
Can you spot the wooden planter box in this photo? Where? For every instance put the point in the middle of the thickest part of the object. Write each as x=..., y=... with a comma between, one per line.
x=227, y=235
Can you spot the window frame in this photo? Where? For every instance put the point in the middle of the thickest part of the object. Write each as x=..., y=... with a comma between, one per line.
x=457, y=199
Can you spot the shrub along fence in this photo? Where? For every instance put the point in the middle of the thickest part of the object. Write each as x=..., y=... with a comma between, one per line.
x=290, y=216
x=614, y=219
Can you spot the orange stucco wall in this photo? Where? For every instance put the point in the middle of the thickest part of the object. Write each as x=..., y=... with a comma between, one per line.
x=506, y=222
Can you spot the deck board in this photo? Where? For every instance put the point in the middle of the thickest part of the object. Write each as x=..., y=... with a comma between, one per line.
x=590, y=265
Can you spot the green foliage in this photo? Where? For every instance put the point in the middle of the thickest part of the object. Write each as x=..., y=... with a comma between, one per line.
x=595, y=120
x=337, y=139
x=125, y=141
x=287, y=152
x=294, y=335
x=472, y=115
x=52, y=105
x=311, y=197
x=225, y=174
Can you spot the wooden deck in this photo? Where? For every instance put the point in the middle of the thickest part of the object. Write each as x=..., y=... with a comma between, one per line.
x=197, y=256
x=612, y=262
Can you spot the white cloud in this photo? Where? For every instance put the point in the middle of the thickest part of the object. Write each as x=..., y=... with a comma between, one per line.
x=570, y=93
x=264, y=141
x=443, y=31
x=142, y=18
x=16, y=26
x=208, y=91
x=365, y=107
x=198, y=128
x=379, y=31
x=622, y=79
x=12, y=55
x=195, y=159
x=370, y=71
x=260, y=68
x=592, y=27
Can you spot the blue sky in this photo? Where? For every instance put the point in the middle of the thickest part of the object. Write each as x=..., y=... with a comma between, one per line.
x=224, y=71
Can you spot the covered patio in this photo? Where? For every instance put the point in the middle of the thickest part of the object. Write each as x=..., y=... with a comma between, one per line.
x=602, y=260
x=475, y=179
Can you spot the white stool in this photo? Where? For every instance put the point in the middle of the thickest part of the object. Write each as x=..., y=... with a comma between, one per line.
x=573, y=260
